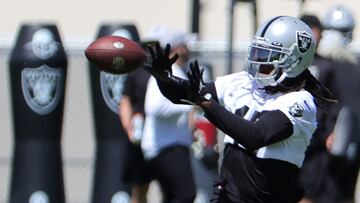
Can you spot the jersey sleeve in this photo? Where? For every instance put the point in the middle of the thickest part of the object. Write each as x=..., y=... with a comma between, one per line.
x=220, y=86
x=224, y=82
x=300, y=108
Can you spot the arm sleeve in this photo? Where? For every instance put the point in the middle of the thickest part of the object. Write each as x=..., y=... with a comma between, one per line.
x=175, y=91
x=271, y=126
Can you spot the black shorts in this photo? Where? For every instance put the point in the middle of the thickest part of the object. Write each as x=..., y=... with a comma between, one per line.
x=137, y=169
x=172, y=168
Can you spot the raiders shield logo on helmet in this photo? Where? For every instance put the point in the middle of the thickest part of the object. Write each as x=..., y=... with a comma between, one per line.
x=42, y=88
x=111, y=89
x=304, y=41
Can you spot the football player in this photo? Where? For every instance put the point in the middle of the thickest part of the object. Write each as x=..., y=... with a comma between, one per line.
x=268, y=112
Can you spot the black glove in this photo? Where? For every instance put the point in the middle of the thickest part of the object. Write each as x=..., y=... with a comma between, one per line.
x=196, y=86
x=161, y=63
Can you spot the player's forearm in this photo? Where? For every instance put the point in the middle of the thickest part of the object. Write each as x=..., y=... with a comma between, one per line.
x=271, y=127
x=175, y=92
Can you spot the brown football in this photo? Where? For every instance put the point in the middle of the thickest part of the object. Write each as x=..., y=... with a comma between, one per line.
x=115, y=54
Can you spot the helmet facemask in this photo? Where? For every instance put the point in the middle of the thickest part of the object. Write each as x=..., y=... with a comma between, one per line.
x=266, y=61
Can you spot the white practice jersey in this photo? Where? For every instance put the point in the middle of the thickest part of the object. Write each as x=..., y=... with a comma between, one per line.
x=243, y=96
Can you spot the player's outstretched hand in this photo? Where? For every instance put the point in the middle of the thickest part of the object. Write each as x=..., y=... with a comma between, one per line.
x=160, y=66
x=195, y=89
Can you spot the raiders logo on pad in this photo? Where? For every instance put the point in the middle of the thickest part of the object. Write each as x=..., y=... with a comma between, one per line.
x=111, y=89
x=304, y=41
x=42, y=88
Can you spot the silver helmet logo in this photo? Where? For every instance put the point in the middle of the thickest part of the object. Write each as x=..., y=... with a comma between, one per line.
x=42, y=87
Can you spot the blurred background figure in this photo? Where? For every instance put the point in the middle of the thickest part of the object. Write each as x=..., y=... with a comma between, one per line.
x=132, y=116
x=333, y=152
x=166, y=137
x=318, y=188
x=339, y=24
